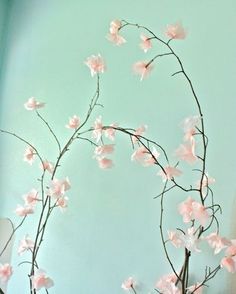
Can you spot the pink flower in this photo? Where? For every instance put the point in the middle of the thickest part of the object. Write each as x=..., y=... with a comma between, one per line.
x=62, y=202
x=97, y=129
x=189, y=127
x=170, y=173
x=186, y=152
x=145, y=43
x=190, y=240
x=191, y=209
x=176, y=31
x=196, y=288
x=47, y=165
x=231, y=250
x=143, y=156
x=142, y=68
x=139, y=132
x=96, y=64
x=216, y=242
x=25, y=244
x=229, y=264
x=166, y=284
x=104, y=149
x=128, y=284
x=175, y=238
x=29, y=155
x=113, y=35
x=58, y=187
x=207, y=180
x=32, y=104
x=110, y=132
x=5, y=272
x=74, y=122
x=41, y=280
x=104, y=163
x=24, y=210
x=31, y=197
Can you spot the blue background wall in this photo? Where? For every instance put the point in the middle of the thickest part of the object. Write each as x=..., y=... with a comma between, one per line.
x=110, y=230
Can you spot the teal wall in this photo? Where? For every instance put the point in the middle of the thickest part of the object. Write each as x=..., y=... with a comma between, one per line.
x=110, y=230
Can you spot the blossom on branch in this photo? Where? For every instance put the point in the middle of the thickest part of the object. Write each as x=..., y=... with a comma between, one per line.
x=41, y=280
x=166, y=284
x=47, y=165
x=196, y=289
x=58, y=187
x=31, y=197
x=175, y=238
x=144, y=156
x=142, y=68
x=110, y=132
x=189, y=127
x=191, y=240
x=176, y=31
x=97, y=129
x=186, y=152
x=128, y=284
x=29, y=155
x=96, y=64
x=25, y=244
x=113, y=35
x=138, y=132
x=169, y=173
x=62, y=202
x=145, y=43
x=217, y=242
x=74, y=122
x=5, y=272
x=104, y=149
x=104, y=163
x=24, y=210
x=32, y=104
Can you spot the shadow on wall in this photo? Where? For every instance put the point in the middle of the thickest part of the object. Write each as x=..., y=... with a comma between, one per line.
x=5, y=232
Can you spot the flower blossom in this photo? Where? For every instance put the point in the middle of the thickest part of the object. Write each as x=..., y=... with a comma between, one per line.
x=176, y=31
x=175, y=238
x=138, y=132
x=169, y=173
x=186, y=152
x=97, y=129
x=58, y=187
x=189, y=127
x=217, y=242
x=5, y=272
x=142, y=68
x=229, y=263
x=74, y=122
x=96, y=64
x=190, y=240
x=24, y=210
x=110, y=132
x=32, y=104
x=104, y=163
x=166, y=284
x=206, y=181
x=104, y=149
x=31, y=197
x=143, y=156
x=41, y=280
x=62, y=202
x=29, y=155
x=128, y=284
x=113, y=35
x=193, y=210
x=145, y=43
x=47, y=165
x=25, y=244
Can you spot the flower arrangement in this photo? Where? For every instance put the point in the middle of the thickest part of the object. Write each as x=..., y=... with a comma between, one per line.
x=198, y=209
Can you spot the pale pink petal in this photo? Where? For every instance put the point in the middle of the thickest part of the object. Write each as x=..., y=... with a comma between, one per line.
x=62, y=202
x=116, y=39
x=97, y=129
x=207, y=180
x=104, y=149
x=231, y=250
x=142, y=68
x=128, y=284
x=110, y=132
x=41, y=280
x=25, y=244
x=31, y=197
x=186, y=210
x=58, y=187
x=115, y=25
x=189, y=127
x=217, y=242
x=104, y=163
x=166, y=284
x=200, y=213
x=74, y=122
x=229, y=264
x=145, y=43
x=186, y=152
x=29, y=155
x=32, y=104
x=138, y=132
x=170, y=173
x=196, y=288
x=47, y=165
x=175, y=238
x=96, y=64
x=5, y=272
x=176, y=31
x=190, y=240
x=24, y=210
